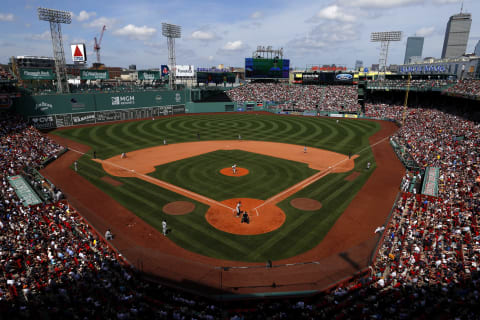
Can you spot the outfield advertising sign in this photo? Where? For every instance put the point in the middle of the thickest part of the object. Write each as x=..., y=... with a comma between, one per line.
x=94, y=74
x=148, y=75
x=78, y=52
x=71, y=119
x=43, y=122
x=36, y=74
x=184, y=71
x=165, y=70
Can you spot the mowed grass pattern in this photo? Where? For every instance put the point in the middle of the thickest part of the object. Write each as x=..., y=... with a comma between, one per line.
x=301, y=230
x=267, y=176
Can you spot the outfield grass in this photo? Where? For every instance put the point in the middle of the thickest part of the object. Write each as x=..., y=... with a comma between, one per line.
x=301, y=230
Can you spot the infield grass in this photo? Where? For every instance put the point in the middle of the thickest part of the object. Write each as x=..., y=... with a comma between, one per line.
x=301, y=231
x=267, y=176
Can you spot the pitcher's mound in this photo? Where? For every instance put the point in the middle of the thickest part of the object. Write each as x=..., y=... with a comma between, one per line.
x=269, y=218
x=306, y=204
x=229, y=172
x=178, y=208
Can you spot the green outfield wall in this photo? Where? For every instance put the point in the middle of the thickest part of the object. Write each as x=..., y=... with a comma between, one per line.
x=60, y=110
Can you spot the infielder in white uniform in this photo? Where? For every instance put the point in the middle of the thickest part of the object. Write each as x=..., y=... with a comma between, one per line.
x=164, y=227
x=234, y=168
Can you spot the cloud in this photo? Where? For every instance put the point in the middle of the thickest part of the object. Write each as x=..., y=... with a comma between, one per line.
x=335, y=12
x=203, y=35
x=136, y=33
x=100, y=22
x=40, y=36
x=6, y=17
x=256, y=15
x=446, y=1
x=380, y=4
x=84, y=15
x=425, y=31
x=234, y=45
x=326, y=35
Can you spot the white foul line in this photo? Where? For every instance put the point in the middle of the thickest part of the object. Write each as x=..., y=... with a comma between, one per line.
x=164, y=183
x=305, y=183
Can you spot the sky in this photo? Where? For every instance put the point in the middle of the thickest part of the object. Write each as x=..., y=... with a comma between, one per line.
x=226, y=32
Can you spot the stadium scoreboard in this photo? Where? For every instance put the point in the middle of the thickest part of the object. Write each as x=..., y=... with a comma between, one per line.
x=215, y=77
x=261, y=68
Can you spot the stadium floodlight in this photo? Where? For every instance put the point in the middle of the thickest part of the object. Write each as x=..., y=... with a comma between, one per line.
x=384, y=38
x=56, y=18
x=171, y=32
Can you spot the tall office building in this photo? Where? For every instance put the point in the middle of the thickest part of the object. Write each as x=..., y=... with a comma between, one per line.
x=477, y=49
x=414, y=48
x=358, y=64
x=456, y=35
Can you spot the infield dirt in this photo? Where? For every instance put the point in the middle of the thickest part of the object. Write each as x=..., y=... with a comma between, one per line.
x=344, y=251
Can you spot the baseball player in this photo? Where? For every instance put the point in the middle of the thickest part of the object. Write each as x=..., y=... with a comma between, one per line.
x=75, y=165
x=165, y=141
x=164, y=227
x=234, y=168
x=239, y=204
x=124, y=155
x=305, y=149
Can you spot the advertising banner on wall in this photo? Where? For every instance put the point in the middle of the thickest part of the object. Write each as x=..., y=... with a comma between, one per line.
x=184, y=71
x=79, y=53
x=36, y=74
x=94, y=74
x=148, y=75
x=165, y=70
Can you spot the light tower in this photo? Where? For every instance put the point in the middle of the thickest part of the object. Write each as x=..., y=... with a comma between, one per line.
x=384, y=38
x=171, y=31
x=56, y=17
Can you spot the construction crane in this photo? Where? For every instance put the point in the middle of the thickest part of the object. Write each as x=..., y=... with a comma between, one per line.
x=96, y=46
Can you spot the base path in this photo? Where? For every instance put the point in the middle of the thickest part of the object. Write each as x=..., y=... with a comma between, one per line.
x=144, y=161
x=141, y=162
x=345, y=249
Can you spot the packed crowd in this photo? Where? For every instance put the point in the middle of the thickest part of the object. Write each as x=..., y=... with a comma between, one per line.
x=433, y=243
x=414, y=84
x=54, y=265
x=466, y=88
x=294, y=97
x=46, y=89
x=5, y=73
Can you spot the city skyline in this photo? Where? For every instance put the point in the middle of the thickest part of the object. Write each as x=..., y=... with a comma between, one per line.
x=456, y=35
x=215, y=32
x=414, y=48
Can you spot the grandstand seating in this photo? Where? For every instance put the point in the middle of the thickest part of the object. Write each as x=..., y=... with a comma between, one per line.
x=54, y=265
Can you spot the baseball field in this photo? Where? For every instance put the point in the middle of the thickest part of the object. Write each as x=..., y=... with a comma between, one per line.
x=299, y=176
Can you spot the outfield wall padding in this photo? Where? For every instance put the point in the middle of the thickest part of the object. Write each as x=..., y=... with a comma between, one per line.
x=62, y=110
x=54, y=104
